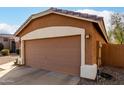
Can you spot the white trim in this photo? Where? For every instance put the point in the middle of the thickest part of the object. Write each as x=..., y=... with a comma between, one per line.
x=73, y=16
x=55, y=31
x=58, y=31
x=22, y=52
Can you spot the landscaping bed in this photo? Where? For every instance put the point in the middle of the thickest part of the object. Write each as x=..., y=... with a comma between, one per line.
x=117, y=73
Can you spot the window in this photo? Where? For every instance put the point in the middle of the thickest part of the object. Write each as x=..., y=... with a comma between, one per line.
x=5, y=39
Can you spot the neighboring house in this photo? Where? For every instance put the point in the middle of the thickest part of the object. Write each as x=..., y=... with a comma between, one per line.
x=63, y=41
x=8, y=41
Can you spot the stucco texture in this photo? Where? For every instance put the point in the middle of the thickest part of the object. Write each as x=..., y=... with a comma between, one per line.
x=59, y=20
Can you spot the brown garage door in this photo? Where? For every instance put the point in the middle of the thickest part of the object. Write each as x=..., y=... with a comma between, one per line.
x=62, y=54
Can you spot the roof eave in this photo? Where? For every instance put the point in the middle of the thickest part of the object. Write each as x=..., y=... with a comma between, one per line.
x=34, y=16
x=104, y=31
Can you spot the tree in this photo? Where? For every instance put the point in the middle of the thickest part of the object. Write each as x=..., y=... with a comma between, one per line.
x=118, y=35
x=110, y=35
x=116, y=32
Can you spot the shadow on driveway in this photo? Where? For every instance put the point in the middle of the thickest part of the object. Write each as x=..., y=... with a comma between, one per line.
x=30, y=76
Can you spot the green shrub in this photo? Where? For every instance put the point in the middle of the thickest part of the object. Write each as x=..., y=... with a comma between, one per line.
x=5, y=52
x=18, y=51
x=1, y=46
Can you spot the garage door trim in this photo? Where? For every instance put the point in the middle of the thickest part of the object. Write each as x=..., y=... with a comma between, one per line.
x=55, y=31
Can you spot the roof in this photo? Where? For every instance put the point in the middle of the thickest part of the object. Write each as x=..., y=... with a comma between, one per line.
x=77, y=15
x=10, y=36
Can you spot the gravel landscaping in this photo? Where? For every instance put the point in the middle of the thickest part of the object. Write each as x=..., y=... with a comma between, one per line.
x=117, y=73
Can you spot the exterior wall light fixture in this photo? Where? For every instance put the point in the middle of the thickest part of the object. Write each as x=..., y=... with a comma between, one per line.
x=87, y=36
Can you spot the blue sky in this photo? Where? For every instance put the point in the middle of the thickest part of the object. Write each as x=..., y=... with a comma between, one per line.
x=16, y=16
x=19, y=15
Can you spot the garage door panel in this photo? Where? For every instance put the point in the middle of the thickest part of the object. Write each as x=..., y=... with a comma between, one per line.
x=62, y=54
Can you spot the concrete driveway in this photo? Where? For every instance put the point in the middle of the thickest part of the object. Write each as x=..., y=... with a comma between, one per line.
x=12, y=75
x=6, y=59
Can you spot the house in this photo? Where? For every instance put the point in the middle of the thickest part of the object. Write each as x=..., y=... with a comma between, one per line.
x=63, y=41
x=8, y=41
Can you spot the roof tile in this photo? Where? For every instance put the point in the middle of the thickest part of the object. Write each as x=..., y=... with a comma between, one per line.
x=84, y=15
